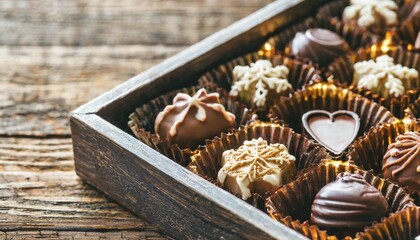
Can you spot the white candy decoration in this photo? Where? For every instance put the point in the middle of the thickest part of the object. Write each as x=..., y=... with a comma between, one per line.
x=383, y=76
x=256, y=161
x=262, y=76
x=367, y=13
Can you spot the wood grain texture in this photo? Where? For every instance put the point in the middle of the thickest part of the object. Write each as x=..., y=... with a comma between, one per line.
x=142, y=177
x=110, y=22
x=184, y=204
x=57, y=55
x=79, y=235
x=40, y=190
x=49, y=82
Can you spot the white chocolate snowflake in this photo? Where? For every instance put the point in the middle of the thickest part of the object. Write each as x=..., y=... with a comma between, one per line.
x=369, y=13
x=260, y=76
x=383, y=76
x=255, y=161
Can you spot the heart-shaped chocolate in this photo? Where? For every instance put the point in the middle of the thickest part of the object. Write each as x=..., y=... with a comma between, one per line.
x=335, y=131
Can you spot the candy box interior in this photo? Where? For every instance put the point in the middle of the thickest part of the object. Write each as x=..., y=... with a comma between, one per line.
x=176, y=188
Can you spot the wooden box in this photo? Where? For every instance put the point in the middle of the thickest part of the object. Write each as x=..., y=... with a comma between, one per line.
x=184, y=205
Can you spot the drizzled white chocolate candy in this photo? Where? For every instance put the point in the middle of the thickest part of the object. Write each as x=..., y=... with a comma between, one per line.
x=256, y=167
x=372, y=14
x=253, y=83
x=383, y=77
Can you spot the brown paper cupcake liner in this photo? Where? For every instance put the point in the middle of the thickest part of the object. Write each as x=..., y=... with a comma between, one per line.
x=142, y=121
x=342, y=70
x=222, y=76
x=404, y=225
x=354, y=36
x=327, y=96
x=207, y=160
x=409, y=29
x=413, y=110
x=369, y=151
x=295, y=199
x=333, y=12
x=307, y=230
x=299, y=72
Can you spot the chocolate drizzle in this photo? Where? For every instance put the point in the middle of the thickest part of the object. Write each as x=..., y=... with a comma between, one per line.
x=402, y=161
x=256, y=167
x=347, y=205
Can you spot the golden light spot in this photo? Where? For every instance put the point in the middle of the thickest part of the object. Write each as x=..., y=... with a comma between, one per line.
x=267, y=50
x=388, y=43
x=409, y=47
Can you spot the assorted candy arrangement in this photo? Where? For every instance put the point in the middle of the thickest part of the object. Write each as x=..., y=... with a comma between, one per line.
x=320, y=128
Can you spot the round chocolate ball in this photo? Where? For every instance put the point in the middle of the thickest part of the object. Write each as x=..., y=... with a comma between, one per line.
x=346, y=206
x=319, y=45
x=401, y=163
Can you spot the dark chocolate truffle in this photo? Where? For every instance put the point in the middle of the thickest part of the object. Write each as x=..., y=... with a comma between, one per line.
x=192, y=120
x=346, y=206
x=401, y=162
x=319, y=45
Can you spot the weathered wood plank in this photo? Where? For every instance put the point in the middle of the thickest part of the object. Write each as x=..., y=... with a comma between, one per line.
x=39, y=86
x=79, y=235
x=142, y=179
x=40, y=190
x=110, y=22
x=40, y=195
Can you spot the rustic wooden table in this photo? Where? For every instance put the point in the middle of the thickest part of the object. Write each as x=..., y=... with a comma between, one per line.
x=56, y=55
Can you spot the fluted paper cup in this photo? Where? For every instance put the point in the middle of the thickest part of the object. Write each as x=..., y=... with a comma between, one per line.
x=222, y=76
x=306, y=229
x=333, y=11
x=404, y=225
x=295, y=199
x=328, y=97
x=354, y=36
x=342, y=70
x=368, y=152
x=413, y=110
x=141, y=122
x=207, y=159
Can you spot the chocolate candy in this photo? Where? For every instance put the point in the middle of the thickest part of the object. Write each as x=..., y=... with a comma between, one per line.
x=192, y=120
x=373, y=15
x=347, y=205
x=319, y=45
x=401, y=163
x=335, y=131
x=260, y=83
x=383, y=77
x=256, y=167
